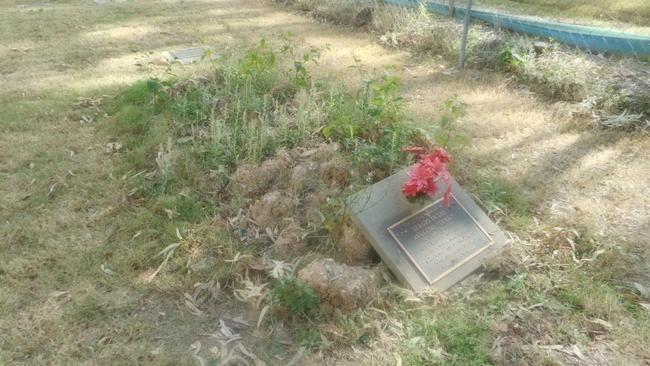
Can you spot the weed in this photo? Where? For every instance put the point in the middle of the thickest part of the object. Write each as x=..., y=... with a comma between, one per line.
x=371, y=125
x=294, y=296
x=418, y=31
x=592, y=298
x=385, y=155
x=447, y=131
x=464, y=337
x=258, y=64
x=309, y=338
x=184, y=207
x=508, y=59
x=365, y=116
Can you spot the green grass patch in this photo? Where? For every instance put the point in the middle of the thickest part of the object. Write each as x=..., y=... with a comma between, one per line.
x=452, y=337
x=296, y=297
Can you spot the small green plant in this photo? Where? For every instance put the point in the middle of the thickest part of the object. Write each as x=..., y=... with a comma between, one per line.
x=294, y=296
x=368, y=114
x=508, y=59
x=258, y=60
x=301, y=75
x=309, y=338
x=371, y=125
x=447, y=133
x=385, y=154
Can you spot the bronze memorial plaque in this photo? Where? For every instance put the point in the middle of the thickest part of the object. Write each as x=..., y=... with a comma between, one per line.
x=439, y=239
x=423, y=243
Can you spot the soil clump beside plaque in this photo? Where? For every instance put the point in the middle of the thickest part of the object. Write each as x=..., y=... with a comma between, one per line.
x=355, y=246
x=344, y=286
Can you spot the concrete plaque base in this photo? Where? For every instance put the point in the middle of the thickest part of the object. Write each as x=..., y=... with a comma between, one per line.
x=425, y=244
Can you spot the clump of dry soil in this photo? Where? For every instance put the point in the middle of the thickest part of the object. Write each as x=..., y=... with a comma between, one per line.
x=251, y=180
x=356, y=248
x=269, y=210
x=347, y=287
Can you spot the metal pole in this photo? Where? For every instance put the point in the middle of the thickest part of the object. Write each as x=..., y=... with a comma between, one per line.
x=451, y=8
x=463, y=43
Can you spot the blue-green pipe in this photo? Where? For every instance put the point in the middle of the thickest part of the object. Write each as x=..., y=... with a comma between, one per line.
x=591, y=38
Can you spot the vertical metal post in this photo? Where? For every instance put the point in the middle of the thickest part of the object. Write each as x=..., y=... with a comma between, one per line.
x=463, y=43
x=451, y=8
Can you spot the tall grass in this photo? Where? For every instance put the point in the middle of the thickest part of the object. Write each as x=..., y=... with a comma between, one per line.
x=254, y=103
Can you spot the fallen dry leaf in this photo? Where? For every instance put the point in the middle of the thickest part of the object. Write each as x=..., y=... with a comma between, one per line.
x=262, y=314
x=59, y=294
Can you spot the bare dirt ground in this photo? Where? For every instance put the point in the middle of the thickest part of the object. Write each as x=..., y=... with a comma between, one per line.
x=59, y=303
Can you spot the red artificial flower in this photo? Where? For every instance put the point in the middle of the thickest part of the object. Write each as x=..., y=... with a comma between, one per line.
x=410, y=189
x=419, y=181
x=425, y=174
x=442, y=155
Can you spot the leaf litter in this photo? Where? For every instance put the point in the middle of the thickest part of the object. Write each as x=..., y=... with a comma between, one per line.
x=229, y=349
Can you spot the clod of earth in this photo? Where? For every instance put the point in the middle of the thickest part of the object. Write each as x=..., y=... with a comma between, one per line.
x=334, y=172
x=251, y=180
x=356, y=248
x=313, y=201
x=272, y=209
x=323, y=153
x=289, y=241
x=303, y=176
x=346, y=287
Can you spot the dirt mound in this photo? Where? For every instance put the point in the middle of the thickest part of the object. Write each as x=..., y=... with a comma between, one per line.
x=303, y=176
x=309, y=164
x=289, y=241
x=272, y=209
x=341, y=285
x=317, y=152
x=246, y=182
x=334, y=172
x=356, y=248
x=288, y=193
x=325, y=152
x=250, y=180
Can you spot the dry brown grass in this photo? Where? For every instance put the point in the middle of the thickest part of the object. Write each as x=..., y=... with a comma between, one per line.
x=61, y=204
x=628, y=13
